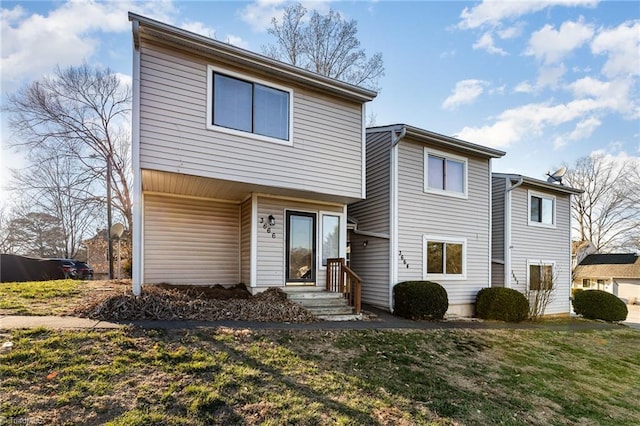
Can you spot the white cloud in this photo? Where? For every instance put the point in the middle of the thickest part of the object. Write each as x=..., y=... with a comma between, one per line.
x=237, y=41
x=491, y=13
x=260, y=13
x=551, y=46
x=485, y=42
x=524, y=87
x=199, y=28
x=465, y=92
x=583, y=129
x=550, y=76
x=622, y=45
x=511, y=32
x=66, y=36
x=614, y=95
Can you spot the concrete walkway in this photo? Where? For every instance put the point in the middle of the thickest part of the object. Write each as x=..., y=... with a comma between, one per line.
x=382, y=320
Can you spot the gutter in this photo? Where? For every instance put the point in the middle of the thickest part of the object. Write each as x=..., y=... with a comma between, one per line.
x=137, y=237
x=393, y=220
x=509, y=186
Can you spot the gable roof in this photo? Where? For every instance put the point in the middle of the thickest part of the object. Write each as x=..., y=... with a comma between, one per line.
x=435, y=139
x=160, y=32
x=539, y=184
x=617, y=265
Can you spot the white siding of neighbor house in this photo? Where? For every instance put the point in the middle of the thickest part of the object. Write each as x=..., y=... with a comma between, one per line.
x=271, y=251
x=245, y=242
x=326, y=156
x=371, y=263
x=190, y=241
x=538, y=244
x=421, y=213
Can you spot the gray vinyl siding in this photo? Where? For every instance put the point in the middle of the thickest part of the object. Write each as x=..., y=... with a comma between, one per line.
x=497, y=218
x=497, y=274
x=326, y=156
x=542, y=244
x=421, y=213
x=245, y=242
x=371, y=263
x=190, y=241
x=271, y=251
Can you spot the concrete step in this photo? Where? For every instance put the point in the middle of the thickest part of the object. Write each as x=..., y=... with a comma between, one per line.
x=321, y=303
x=317, y=311
x=348, y=317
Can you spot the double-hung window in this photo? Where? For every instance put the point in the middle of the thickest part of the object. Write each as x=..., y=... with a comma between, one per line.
x=541, y=275
x=241, y=105
x=542, y=209
x=445, y=173
x=444, y=258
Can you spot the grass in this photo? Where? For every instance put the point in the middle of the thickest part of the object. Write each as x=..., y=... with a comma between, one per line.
x=391, y=377
x=39, y=297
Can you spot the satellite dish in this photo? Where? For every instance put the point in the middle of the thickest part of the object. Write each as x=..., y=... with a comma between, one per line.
x=556, y=177
x=117, y=229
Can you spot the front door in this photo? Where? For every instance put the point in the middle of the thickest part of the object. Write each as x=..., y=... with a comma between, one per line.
x=301, y=248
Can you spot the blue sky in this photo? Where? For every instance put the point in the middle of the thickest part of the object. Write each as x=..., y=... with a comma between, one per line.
x=547, y=82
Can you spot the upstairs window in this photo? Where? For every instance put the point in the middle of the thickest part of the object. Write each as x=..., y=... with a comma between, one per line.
x=541, y=209
x=242, y=105
x=445, y=174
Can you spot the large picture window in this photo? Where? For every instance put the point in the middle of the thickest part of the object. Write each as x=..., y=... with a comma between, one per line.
x=444, y=257
x=248, y=106
x=445, y=173
x=541, y=209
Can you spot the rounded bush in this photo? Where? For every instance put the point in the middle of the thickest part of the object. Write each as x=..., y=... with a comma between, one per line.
x=598, y=304
x=420, y=300
x=574, y=291
x=503, y=304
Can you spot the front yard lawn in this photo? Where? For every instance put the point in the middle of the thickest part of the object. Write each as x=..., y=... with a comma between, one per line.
x=391, y=377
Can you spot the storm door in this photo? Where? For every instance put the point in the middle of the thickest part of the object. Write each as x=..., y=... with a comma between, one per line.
x=301, y=248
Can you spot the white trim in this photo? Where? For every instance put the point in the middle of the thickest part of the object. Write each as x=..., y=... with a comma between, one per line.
x=393, y=231
x=253, y=262
x=447, y=156
x=364, y=152
x=208, y=119
x=137, y=254
x=443, y=239
x=342, y=242
x=532, y=193
x=539, y=262
x=490, y=233
x=507, y=233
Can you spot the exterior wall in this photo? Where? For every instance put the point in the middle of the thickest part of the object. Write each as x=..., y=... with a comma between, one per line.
x=497, y=274
x=271, y=251
x=421, y=213
x=497, y=219
x=536, y=244
x=629, y=289
x=371, y=263
x=245, y=242
x=325, y=157
x=190, y=241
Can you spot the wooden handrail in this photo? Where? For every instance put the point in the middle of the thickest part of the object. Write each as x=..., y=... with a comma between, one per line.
x=342, y=279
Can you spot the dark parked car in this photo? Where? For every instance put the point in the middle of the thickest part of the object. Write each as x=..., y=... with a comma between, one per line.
x=84, y=271
x=69, y=268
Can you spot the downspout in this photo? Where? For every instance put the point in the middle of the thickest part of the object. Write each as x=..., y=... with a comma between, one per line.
x=507, y=228
x=393, y=225
x=138, y=249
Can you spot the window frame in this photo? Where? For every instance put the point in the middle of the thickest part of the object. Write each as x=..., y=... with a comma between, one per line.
x=426, y=239
x=211, y=70
x=539, y=262
x=543, y=196
x=428, y=152
x=322, y=214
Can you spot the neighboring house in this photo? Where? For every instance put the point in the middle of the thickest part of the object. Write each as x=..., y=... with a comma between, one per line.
x=243, y=165
x=531, y=221
x=426, y=216
x=96, y=255
x=618, y=274
x=580, y=250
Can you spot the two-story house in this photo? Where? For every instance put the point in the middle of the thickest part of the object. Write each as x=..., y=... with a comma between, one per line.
x=427, y=216
x=532, y=237
x=243, y=165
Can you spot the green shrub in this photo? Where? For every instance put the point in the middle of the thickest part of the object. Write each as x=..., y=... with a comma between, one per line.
x=575, y=290
x=598, y=304
x=420, y=300
x=500, y=303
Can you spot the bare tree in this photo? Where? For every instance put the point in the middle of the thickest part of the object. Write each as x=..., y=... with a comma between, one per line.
x=325, y=44
x=82, y=112
x=59, y=184
x=608, y=212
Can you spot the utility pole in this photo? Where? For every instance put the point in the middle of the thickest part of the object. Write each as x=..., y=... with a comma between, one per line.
x=110, y=246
